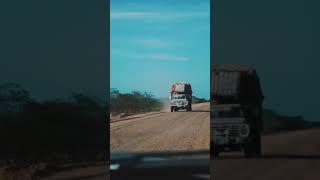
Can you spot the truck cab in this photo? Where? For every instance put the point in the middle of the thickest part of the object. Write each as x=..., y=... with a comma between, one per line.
x=179, y=101
x=233, y=130
x=180, y=96
x=229, y=125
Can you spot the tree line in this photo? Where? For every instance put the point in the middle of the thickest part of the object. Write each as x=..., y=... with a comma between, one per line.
x=196, y=100
x=274, y=122
x=131, y=103
x=72, y=129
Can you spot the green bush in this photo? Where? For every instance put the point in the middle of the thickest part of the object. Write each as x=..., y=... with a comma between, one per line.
x=131, y=103
x=274, y=122
x=72, y=130
x=196, y=100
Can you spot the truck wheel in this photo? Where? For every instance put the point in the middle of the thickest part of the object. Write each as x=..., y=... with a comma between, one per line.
x=171, y=109
x=253, y=148
x=258, y=146
x=215, y=154
x=189, y=108
x=249, y=148
x=214, y=151
x=248, y=151
x=258, y=151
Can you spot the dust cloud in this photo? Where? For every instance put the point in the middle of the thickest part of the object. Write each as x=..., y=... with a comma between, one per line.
x=166, y=106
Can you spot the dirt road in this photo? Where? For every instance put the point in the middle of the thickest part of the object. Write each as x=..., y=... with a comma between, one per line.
x=163, y=131
x=293, y=155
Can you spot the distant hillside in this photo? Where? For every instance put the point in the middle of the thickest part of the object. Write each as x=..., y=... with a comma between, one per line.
x=274, y=122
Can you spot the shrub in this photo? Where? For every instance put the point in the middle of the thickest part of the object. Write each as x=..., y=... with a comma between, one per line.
x=131, y=103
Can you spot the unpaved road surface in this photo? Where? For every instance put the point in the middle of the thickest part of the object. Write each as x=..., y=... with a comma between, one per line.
x=287, y=156
x=163, y=131
x=292, y=156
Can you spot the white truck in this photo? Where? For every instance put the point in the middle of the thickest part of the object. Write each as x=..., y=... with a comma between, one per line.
x=180, y=96
x=236, y=110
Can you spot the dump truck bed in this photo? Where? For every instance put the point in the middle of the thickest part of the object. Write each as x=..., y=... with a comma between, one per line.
x=235, y=84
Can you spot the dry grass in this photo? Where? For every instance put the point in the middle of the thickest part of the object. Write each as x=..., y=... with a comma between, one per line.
x=115, y=117
x=41, y=170
x=18, y=174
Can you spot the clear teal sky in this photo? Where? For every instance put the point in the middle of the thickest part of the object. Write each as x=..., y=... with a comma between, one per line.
x=281, y=40
x=154, y=43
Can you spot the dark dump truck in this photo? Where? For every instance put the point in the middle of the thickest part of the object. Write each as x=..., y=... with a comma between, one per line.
x=236, y=110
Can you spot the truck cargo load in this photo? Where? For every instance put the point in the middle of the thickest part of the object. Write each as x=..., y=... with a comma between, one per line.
x=235, y=84
x=184, y=88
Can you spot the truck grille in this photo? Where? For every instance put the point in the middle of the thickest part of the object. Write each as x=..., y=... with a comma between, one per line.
x=233, y=129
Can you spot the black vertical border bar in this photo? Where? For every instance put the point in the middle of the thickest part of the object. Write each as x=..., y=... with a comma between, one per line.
x=211, y=63
x=107, y=15
x=211, y=60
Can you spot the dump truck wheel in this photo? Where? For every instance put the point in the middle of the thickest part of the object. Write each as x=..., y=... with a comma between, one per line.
x=214, y=151
x=253, y=148
x=248, y=151
x=258, y=146
x=215, y=154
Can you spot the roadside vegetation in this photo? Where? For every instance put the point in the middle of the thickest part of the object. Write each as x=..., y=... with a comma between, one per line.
x=124, y=104
x=196, y=100
x=55, y=132
x=273, y=122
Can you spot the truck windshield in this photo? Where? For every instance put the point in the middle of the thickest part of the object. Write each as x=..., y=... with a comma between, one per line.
x=179, y=96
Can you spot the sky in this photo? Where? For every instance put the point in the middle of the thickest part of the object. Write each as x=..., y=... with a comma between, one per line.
x=154, y=43
x=281, y=40
x=54, y=48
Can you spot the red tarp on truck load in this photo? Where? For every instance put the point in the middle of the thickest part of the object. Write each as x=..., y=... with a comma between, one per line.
x=184, y=88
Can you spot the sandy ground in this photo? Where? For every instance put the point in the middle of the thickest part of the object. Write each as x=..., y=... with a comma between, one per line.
x=163, y=131
x=292, y=155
